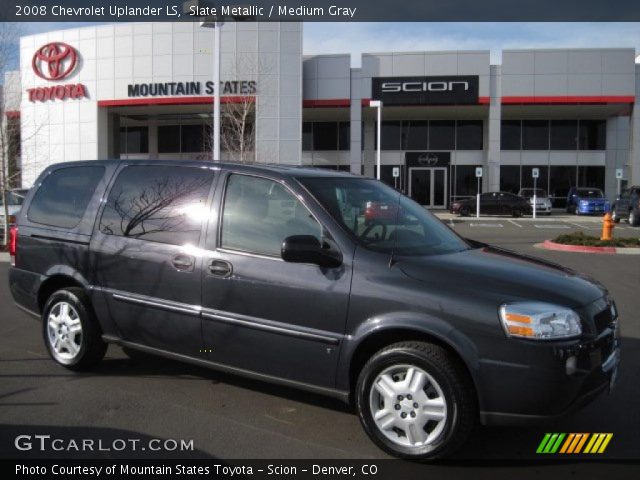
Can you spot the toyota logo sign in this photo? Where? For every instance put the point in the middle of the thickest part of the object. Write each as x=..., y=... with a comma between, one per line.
x=54, y=61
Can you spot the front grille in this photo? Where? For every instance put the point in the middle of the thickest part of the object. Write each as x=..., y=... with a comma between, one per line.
x=603, y=319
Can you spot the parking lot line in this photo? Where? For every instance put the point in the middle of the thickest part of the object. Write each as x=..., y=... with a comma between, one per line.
x=486, y=225
x=552, y=226
x=515, y=223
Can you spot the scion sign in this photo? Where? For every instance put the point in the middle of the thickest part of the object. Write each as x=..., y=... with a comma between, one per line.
x=449, y=90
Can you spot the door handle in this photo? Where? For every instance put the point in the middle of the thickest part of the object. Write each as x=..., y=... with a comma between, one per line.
x=220, y=268
x=183, y=262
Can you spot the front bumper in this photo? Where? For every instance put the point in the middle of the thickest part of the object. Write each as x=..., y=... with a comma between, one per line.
x=544, y=388
x=593, y=209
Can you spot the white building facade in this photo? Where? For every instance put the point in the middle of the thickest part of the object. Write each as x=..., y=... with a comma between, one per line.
x=144, y=90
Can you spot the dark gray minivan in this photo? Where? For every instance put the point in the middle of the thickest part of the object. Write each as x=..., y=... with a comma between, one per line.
x=272, y=272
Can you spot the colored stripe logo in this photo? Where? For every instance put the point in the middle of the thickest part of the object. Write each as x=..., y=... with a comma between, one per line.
x=568, y=443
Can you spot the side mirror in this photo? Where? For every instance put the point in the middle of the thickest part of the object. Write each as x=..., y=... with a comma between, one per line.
x=307, y=249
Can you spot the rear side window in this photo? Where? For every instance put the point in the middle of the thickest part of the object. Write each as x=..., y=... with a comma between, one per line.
x=164, y=204
x=64, y=196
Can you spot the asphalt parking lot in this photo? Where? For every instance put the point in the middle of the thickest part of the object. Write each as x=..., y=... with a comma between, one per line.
x=227, y=417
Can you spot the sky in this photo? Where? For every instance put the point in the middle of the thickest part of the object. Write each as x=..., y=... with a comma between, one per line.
x=356, y=38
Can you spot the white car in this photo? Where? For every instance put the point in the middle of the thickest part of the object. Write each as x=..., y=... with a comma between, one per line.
x=543, y=202
x=15, y=199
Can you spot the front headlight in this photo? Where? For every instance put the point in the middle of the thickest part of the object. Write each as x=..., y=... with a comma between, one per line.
x=539, y=321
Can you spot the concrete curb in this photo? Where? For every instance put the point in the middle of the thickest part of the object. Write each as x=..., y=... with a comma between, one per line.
x=549, y=245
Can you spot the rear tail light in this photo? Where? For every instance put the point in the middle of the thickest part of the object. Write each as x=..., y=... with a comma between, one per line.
x=13, y=244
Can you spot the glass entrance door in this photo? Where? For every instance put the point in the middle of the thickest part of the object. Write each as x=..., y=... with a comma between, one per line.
x=428, y=186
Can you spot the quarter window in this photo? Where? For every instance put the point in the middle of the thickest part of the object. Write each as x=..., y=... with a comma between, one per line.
x=163, y=204
x=64, y=196
x=260, y=213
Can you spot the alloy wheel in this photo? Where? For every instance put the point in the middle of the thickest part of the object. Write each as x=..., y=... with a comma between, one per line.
x=408, y=406
x=64, y=331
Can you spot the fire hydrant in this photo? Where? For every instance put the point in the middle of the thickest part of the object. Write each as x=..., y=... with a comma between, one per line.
x=607, y=227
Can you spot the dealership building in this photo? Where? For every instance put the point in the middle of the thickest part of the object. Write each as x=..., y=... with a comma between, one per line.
x=145, y=90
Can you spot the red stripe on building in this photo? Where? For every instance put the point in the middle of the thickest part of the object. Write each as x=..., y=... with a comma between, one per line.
x=345, y=103
x=12, y=113
x=199, y=100
x=569, y=100
x=327, y=103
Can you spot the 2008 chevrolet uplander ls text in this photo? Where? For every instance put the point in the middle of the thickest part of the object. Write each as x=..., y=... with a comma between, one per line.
x=272, y=272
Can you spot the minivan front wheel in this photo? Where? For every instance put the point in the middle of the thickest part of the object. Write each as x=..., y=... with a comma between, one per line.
x=70, y=330
x=415, y=401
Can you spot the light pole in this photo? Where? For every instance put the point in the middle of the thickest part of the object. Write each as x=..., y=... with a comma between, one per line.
x=377, y=104
x=212, y=22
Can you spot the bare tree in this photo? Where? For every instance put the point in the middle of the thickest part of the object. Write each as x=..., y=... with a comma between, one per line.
x=238, y=112
x=9, y=126
x=237, y=132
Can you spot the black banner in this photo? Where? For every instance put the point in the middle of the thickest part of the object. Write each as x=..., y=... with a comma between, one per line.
x=447, y=90
x=321, y=10
x=310, y=469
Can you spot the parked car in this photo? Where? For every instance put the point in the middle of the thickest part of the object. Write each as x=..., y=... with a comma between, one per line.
x=493, y=203
x=627, y=206
x=587, y=201
x=424, y=332
x=14, y=202
x=543, y=202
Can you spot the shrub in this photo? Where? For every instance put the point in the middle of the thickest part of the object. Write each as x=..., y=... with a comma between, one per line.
x=579, y=238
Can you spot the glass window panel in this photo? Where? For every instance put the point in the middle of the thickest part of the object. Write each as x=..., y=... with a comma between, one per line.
x=592, y=135
x=164, y=204
x=169, y=139
x=564, y=134
x=325, y=136
x=415, y=135
x=259, y=214
x=442, y=134
x=510, y=135
x=535, y=135
x=510, y=178
x=469, y=135
x=64, y=196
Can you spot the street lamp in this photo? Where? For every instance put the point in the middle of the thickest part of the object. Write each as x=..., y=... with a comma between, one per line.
x=377, y=104
x=212, y=22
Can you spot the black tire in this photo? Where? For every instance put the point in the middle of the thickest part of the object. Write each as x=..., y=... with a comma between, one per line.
x=634, y=218
x=91, y=346
x=465, y=211
x=455, y=385
x=516, y=212
x=614, y=215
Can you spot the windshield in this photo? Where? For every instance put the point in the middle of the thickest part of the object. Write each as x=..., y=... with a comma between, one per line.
x=13, y=199
x=528, y=192
x=381, y=219
x=590, y=193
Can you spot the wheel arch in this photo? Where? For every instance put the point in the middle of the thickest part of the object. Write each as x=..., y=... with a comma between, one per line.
x=56, y=279
x=369, y=341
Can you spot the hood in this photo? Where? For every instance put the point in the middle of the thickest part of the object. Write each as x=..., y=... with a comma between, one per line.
x=596, y=201
x=505, y=275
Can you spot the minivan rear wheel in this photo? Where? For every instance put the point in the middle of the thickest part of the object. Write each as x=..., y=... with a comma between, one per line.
x=416, y=401
x=70, y=330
